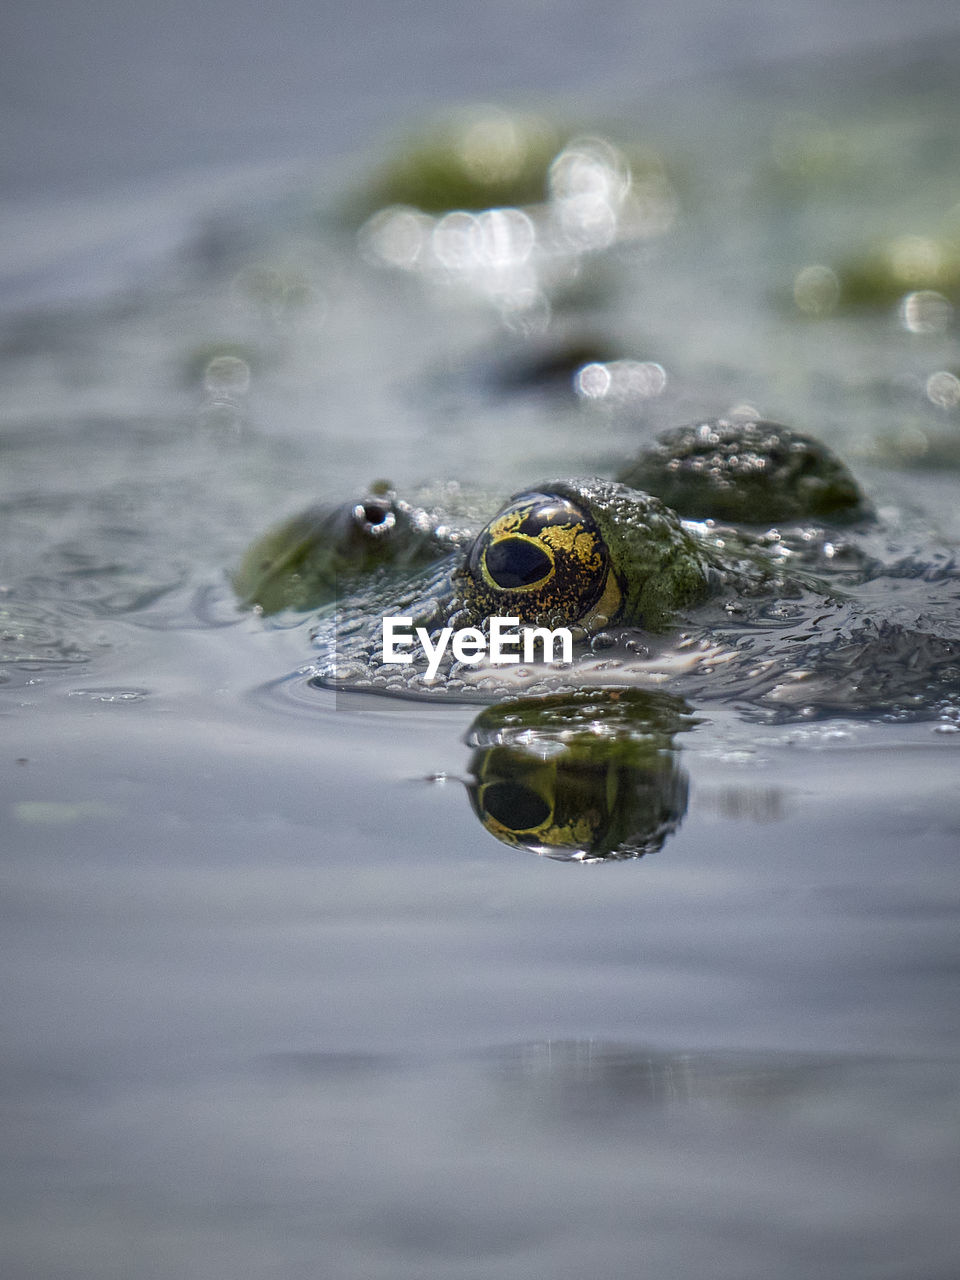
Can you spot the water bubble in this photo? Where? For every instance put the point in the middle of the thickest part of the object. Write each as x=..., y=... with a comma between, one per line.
x=226, y=377
x=504, y=237
x=589, y=181
x=943, y=389
x=620, y=380
x=593, y=381
x=925, y=311
x=454, y=240
x=911, y=442
x=396, y=236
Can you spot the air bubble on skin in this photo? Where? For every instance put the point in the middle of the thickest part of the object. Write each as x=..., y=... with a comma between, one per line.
x=536, y=744
x=337, y=671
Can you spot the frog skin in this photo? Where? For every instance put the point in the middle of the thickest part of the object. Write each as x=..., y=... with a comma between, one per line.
x=767, y=617
x=582, y=553
x=748, y=472
x=303, y=562
x=582, y=764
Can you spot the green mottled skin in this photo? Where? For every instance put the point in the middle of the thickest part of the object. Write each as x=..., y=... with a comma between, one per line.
x=304, y=562
x=660, y=566
x=750, y=472
x=645, y=567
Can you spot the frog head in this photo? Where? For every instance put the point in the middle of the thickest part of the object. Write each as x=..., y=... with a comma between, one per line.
x=582, y=554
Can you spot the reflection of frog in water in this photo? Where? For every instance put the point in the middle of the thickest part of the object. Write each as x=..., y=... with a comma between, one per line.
x=581, y=777
x=777, y=619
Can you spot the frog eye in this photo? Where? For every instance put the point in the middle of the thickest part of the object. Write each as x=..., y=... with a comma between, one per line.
x=517, y=562
x=541, y=558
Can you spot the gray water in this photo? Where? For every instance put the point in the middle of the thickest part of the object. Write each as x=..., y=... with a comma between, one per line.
x=275, y=1003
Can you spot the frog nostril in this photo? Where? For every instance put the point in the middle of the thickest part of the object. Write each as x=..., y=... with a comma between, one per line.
x=517, y=562
x=374, y=518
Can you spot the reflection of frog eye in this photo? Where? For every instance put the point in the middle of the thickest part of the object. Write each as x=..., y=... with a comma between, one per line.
x=514, y=806
x=542, y=558
x=532, y=803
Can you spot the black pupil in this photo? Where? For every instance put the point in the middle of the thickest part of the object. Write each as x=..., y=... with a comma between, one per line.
x=515, y=807
x=514, y=562
x=374, y=514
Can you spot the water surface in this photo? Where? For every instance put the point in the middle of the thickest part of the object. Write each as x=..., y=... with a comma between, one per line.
x=276, y=1004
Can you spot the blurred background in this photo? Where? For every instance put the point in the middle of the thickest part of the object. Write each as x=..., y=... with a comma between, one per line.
x=102, y=92
x=274, y=1001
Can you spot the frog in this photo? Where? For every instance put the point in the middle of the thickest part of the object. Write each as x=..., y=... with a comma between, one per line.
x=740, y=571
x=686, y=584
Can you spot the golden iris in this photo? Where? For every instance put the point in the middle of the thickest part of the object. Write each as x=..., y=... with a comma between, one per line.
x=542, y=557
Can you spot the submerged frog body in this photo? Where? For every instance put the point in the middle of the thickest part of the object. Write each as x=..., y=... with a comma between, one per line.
x=778, y=619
